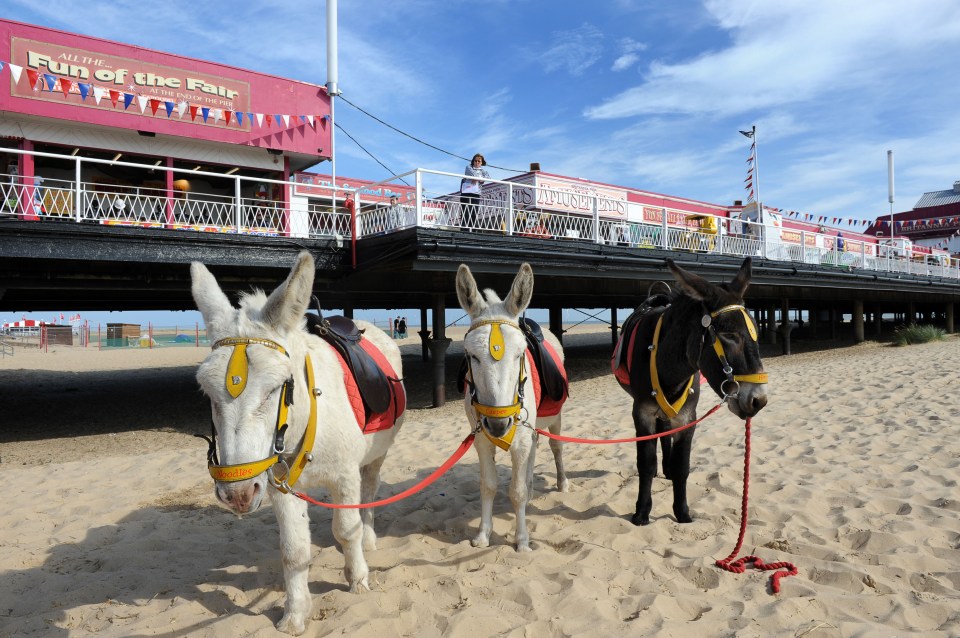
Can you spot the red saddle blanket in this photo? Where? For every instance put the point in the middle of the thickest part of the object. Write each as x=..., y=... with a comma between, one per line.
x=546, y=406
x=374, y=422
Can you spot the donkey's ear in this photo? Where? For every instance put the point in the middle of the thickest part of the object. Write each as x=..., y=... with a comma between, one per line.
x=694, y=285
x=467, y=293
x=211, y=302
x=521, y=292
x=287, y=304
x=739, y=284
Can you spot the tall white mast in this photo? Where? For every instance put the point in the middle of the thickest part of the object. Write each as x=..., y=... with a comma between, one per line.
x=890, y=188
x=333, y=89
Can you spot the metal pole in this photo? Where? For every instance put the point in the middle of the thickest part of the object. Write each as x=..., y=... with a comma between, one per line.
x=890, y=189
x=333, y=90
x=756, y=175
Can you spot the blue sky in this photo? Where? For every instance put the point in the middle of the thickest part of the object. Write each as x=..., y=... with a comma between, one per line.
x=630, y=92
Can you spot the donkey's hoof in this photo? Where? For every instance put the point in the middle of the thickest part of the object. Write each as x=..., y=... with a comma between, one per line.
x=640, y=519
x=480, y=541
x=684, y=518
x=563, y=485
x=292, y=624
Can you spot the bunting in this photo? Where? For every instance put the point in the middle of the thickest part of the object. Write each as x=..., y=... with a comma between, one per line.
x=751, y=164
x=51, y=83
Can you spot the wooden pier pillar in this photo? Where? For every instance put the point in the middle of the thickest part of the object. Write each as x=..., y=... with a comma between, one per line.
x=556, y=322
x=858, y=321
x=786, y=327
x=613, y=326
x=948, y=318
x=438, y=350
x=424, y=333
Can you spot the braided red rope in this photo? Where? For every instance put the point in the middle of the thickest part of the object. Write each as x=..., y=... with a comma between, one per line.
x=740, y=565
x=456, y=456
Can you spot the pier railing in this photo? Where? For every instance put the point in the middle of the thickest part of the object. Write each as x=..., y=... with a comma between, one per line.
x=431, y=199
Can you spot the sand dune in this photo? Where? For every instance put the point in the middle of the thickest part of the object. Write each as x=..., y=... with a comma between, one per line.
x=110, y=525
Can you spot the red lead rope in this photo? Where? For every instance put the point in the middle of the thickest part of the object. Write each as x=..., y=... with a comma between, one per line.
x=740, y=565
x=456, y=456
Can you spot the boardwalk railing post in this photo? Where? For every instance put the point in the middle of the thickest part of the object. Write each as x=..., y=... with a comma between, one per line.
x=237, y=206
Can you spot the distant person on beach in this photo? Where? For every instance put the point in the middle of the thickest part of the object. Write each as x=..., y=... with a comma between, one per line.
x=470, y=189
x=396, y=327
x=402, y=327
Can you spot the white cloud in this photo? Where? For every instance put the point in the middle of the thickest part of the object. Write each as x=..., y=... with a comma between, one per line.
x=791, y=51
x=573, y=51
x=628, y=54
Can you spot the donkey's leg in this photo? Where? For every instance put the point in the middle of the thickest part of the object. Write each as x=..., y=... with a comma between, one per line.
x=523, y=455
x=369, y=484
x=554, y=426
x=348, y=530
x=294, y=528
x=488, y=489
x=679, y=471
x=666, y=444
x=646, y=466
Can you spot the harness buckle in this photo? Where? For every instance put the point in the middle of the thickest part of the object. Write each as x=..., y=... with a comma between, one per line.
x=280, y=483
x=736, y=388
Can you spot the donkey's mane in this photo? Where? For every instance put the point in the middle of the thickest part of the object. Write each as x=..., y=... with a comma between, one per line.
x=491, y=296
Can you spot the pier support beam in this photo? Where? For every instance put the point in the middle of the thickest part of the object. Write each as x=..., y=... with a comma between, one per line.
x=348, y=311
x=858, y=321
x=878, y=319
x=438, y=350
x=949, y=318
x=424, y=333
x=556, y=322
x=614, y=327
x=786, y=327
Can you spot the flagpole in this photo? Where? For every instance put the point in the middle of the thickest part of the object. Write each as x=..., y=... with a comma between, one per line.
x=333, y=90
x=756, y=174
x=890, y=189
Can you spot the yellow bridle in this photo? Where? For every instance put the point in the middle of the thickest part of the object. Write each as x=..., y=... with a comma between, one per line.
x=495, y=346
x=236, y=382
x=673, y=409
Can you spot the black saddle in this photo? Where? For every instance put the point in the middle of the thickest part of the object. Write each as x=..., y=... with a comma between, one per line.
x=552, y=383
x=654, y=304
x=344, y=335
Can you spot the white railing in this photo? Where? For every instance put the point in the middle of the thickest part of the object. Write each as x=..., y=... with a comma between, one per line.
x=504, y=208
x=243, y=208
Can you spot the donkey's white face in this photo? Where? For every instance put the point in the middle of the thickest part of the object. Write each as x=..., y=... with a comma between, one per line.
x=246, y=424
x=496, y=380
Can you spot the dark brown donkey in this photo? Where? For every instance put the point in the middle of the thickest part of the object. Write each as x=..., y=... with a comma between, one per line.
x=664, y=343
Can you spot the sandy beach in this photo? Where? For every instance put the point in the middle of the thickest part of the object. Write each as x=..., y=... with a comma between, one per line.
x=110, y=526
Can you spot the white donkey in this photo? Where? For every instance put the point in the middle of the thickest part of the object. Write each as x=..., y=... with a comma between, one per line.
x=265, y=371
x=501, y=398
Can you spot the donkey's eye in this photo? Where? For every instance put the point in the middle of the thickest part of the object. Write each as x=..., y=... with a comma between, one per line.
x=732, y=337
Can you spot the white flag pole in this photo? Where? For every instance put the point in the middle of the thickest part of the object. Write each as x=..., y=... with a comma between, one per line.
x=890, y=188
x=333, y=90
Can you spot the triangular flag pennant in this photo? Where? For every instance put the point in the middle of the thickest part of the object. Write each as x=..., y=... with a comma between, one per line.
x=260, y=120
x=84, y=90
x=239, y=118
x=303, y=119
x=65, y=86
x=127, y=100
x=15, y=70
x=310, y=120
x=250, y=118
x=97, y=94
x=276, y=118
x=193, y=112
x=167, y=104
x=51, y=80
x=206, y=112
x=142, y=103
x=267, y=120
x=154, y=105
x=226, y=116
x=217, y=114
x=181, y=108
x=32, y=77
x=114, y=96
x=286, y=121
x=2, y=64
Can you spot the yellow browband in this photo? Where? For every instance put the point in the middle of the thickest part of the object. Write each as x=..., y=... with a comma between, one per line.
x=496, y=348
x=236, y=382
x=758, y=377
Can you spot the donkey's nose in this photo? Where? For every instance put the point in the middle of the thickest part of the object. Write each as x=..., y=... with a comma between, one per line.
x=759, y=402
x=239, y=498
x=497, y=427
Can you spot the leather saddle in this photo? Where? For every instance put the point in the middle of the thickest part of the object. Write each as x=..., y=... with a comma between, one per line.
x=654, y=304
x=552, y=383
x=344, y=335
